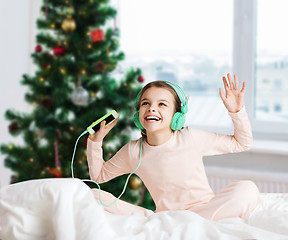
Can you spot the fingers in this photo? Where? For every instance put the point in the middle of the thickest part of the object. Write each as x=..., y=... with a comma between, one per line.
x=225, y=84
x=103, y=131
x=243, y=87
x=231, y=86
x=221, y=92
x=236, y=82
x=102, y=125
x=111, y=125
x=114, y=123
x=230, y=81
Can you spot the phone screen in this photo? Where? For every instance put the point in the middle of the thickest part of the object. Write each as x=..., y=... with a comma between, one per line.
x=109, y=119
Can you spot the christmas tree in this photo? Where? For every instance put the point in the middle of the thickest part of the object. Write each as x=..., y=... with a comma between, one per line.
x=75, y=83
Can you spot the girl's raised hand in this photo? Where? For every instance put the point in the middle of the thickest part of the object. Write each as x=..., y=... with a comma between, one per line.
x=103, y=131
x=234, y=98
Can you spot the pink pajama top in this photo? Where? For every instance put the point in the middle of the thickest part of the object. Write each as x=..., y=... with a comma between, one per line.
x=173, y=172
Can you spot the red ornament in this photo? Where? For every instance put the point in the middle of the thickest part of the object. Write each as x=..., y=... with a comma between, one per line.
x=56, y=172
x=38, y=48
x=59, y=51
x=44, y=65
x=140, y=79
x=97, y=35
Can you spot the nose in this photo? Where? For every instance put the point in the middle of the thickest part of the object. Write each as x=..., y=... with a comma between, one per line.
x=151, y=109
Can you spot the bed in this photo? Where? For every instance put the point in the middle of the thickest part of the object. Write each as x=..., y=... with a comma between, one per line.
x=65, y=209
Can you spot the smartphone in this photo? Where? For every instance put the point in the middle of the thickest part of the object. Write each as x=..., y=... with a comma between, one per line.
x=109, y=118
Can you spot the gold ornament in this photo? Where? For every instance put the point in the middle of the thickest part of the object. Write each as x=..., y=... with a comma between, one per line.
x=68, y=24
x=135, y=182
x=63, y=70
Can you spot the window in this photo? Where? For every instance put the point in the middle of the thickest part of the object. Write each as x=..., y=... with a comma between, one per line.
x=271, y=61
x=194, y=43
x=186, y=42
x=260, y=56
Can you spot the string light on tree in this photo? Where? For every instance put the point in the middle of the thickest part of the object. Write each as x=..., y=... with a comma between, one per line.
x=63, y=70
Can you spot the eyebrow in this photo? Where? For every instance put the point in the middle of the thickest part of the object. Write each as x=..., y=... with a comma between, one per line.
x=160, y=100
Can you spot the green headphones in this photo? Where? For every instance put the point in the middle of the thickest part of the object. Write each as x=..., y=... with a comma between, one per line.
x=178, y=119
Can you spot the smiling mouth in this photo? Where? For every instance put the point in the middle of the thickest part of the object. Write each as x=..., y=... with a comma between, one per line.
x=152, y=118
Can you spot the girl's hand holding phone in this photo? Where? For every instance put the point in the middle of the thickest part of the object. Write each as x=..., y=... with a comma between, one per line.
x=103, y=131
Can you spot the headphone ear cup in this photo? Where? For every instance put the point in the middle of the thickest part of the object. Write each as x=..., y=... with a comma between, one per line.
x=184, y=109
x=137, y=121
x=178, y=121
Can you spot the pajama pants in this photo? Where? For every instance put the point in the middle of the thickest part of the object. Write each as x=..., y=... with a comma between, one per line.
x=238, y=199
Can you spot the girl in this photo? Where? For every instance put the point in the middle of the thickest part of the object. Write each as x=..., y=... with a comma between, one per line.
x=172, y=168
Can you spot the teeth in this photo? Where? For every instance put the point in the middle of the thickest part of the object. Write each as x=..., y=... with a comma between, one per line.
x=152, y=118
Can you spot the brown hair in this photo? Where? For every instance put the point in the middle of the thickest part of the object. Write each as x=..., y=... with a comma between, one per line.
x=160, y=84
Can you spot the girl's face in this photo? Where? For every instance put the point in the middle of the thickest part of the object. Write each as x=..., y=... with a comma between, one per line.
x=157, y=107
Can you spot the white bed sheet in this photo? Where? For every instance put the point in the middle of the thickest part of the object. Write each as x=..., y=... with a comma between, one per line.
x=65, y=209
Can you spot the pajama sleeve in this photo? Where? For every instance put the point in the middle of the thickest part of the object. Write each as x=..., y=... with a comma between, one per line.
x=209, y=143
x=101, y=171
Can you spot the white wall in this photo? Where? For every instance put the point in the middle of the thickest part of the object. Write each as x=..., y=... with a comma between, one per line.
x=16, y=44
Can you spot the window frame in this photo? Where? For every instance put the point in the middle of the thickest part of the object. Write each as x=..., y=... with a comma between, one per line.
x=244, y=52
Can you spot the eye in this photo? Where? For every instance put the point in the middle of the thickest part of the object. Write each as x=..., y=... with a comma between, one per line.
x=144, y=103
x=162, y=104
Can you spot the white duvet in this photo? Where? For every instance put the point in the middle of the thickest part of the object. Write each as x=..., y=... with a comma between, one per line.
x=65, y=209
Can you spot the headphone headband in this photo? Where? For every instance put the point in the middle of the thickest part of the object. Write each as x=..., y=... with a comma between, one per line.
x=181, y=94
